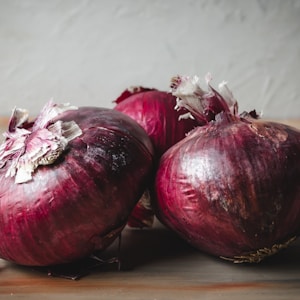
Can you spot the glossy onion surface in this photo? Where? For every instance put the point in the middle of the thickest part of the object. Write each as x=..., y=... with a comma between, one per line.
x=154, y=111
x=80, y=203
x=232, y=189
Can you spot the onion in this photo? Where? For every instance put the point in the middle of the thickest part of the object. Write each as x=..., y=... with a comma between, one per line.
x=69, y=182
x=231, y=188
x=154, y=111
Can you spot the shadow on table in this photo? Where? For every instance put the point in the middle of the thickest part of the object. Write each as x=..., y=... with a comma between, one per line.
x=161, y=250
x=158, y=245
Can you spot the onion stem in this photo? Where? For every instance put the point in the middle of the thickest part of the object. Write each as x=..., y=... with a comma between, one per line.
x=201, y=105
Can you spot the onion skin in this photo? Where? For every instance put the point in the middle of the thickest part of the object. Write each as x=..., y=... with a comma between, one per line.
x=78, y=205
x=232, y=188
x=154, y=111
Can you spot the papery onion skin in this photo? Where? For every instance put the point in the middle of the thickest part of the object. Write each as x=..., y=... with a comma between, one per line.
x=81, y=203
x=232, y=188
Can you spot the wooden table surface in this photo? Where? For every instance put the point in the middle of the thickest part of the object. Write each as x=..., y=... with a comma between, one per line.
x=156, y=264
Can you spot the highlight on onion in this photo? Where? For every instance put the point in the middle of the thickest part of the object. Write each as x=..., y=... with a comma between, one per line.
x=154, y=111
x=230, y=188
x=63, y=179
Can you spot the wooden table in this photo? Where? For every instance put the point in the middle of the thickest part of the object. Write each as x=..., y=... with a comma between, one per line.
x=156, y=264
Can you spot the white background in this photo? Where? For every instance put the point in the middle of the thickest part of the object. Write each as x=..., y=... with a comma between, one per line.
x=87, y=52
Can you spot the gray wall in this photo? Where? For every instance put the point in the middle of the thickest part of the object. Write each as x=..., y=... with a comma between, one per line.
x=86, y=51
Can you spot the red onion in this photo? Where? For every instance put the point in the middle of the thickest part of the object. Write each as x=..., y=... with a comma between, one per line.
x=69, y=182
x=231, y=188
x=154, y=111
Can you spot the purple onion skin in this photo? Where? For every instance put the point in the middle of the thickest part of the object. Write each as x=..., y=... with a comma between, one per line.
x=81, y=203
x=154, y=111
x=232, y=188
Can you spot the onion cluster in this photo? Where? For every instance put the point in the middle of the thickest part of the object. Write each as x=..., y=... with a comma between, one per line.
x=227, y=183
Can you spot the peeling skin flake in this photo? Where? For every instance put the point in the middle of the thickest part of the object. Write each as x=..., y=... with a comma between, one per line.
x=228, y=96
x=40, y=144
x=19, y=117
x=188, y=95
x=49, y=112
x=198, y=102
